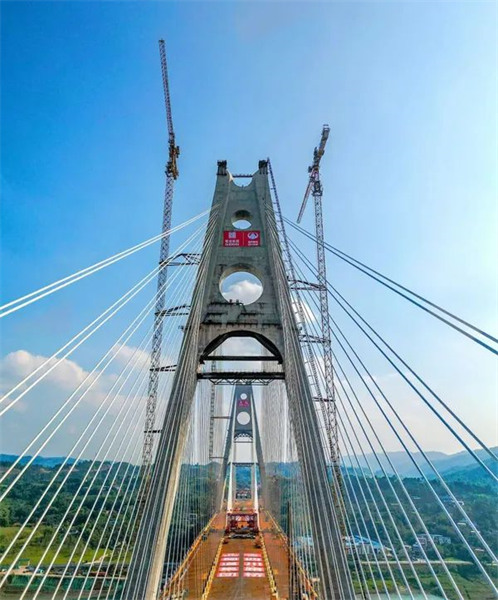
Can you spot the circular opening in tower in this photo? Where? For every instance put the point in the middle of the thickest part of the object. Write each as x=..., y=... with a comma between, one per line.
x=241, y=286
x=241, y=219
x=243, y=396
x=243, y=418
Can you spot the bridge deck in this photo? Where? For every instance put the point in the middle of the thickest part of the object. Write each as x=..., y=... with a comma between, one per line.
x=236, y=569
x=278, y=555
x=195, y=572
x=240, y=573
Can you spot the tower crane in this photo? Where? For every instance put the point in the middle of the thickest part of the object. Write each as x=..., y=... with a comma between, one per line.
x=315, y=189
x=314, y=171
x=159, y=313
x=174, y=150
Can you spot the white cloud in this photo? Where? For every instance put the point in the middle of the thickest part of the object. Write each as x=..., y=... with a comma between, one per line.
x=40, y=404
x=19, y=364
x=123, y=354
x=67, y=374
x=243, y=346
x=308, y=314
x=244, y=291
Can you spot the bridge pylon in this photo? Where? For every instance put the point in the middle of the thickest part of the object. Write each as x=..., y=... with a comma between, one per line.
x=243, y=425
x=213, y=320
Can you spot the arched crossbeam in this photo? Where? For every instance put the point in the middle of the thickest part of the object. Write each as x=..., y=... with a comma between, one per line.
x=264, y=341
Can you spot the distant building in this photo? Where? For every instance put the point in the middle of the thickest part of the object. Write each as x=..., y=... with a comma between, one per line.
x=452, y=501
x=423, y=540
x=364, y=546
x=442, y=540
x=303, y=543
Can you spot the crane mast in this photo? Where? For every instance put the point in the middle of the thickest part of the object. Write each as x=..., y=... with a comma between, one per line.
x=159, y=313
x=315, y=189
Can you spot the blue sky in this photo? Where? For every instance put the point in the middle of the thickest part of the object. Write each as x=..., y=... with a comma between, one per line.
x=410, y=177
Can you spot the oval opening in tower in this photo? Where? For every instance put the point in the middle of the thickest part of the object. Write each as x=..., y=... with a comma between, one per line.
x=241, y=286
x=243, y=418
x=241, y=219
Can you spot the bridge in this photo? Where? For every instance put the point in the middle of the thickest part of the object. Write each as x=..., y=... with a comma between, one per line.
x=242, y=446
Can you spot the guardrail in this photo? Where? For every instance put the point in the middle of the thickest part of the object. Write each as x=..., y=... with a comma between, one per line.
x=190, y=555
x=269, y=570
x=308, y=585
x=212, y=572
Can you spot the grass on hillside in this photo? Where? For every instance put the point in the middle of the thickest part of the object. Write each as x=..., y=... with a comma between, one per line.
x=468, y=579
x=37, y=545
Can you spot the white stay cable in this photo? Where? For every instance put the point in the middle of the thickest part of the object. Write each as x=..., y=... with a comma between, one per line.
x=354, y=512
x=90, y=378
x=169, y=343
x=124, y=548
x=76, y=496
x=112, y=355
x=365, y=482
x=390, y=463
x=337, y=562
x=110, y=312
x=15, y=305
x=420, y=449
x=313, y=327
x=137, y=495
x=147, y=538
x=143, y=314
x=142, y=377
x=134, y=512
x=123, y=541
x=387, y=458
x=357, y=511
x=49, y=505
x=122, y=512
x=137, y=421
x=349, y=309
x=417, y=466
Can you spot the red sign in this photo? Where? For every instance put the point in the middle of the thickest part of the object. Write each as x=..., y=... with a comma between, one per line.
x=228, y=565
x=253, y=565
x=238, y=239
